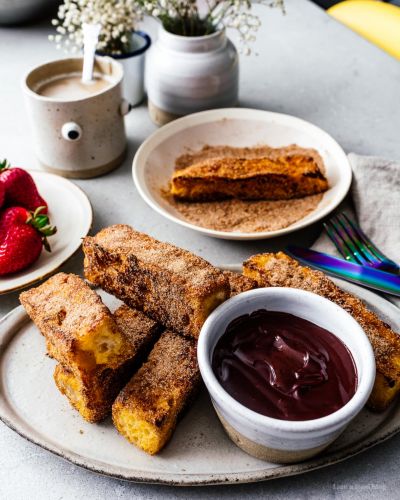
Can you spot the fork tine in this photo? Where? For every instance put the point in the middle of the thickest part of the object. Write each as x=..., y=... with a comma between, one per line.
x=344, y=235
x=367, y=242
x=354, y=236
x=338, y=242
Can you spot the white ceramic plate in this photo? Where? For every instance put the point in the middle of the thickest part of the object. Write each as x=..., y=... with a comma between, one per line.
x=154, y=161
x=199, y=452
x=71, y=212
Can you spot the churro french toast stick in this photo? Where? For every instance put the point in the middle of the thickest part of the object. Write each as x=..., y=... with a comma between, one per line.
x=240, y=283
x=280, y=178
x=171, y=285
x=384, y=392
x=79, y=329
x=281, y=270
x=147, y=409
x=93, y=393
x=140, y=330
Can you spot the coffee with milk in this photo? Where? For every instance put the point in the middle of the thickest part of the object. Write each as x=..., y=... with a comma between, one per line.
x=70, y=87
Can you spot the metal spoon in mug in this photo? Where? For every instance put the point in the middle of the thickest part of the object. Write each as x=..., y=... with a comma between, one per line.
x=91, y=34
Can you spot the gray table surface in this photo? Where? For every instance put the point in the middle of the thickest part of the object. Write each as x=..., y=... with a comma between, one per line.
x=309, y=66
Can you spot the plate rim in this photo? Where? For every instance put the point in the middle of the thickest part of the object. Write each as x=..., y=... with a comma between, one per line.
x=237, y=113
x=85, y=197
x=387, y=430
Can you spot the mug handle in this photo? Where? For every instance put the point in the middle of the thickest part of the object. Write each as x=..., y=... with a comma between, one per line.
x=125, y=107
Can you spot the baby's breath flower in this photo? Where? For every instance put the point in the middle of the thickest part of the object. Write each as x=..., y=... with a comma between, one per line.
x=118, y=18
x=189, y=18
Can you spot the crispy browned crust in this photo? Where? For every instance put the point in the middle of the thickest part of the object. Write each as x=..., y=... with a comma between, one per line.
x=67, y=312
x=208, y=152
x=383, y=393
x=138, y=329
x=281, y=270
x=240, y=283
x=159, y=391
x=92, y=393
x=171, y=285
x=280, y=178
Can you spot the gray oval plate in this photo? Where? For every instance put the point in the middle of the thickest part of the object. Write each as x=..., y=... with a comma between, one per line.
x=200, y=453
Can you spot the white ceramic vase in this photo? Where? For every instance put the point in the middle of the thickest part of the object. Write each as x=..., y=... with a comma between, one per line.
x=188, y=74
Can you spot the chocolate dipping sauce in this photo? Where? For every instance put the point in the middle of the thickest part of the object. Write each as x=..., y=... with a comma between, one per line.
x=283, y=366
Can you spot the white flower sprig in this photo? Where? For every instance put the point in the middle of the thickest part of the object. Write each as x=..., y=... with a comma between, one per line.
x=187, y=18
x=239, y=16
x=118, y=18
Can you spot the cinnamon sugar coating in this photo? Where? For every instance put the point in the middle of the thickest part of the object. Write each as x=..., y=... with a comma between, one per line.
x=280, y=178
x=93, y=393
x=281, y=270
x=240, y=283
x=171, y=285
x=261, y=151
x=80, y=330
x=138, y=329
x=147, y=409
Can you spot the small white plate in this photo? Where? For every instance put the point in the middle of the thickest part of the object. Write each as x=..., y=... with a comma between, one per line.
x=71, y=212
x=199, y=453
x=154, y=161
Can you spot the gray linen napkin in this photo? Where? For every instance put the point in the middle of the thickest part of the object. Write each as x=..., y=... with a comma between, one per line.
x=375, y=193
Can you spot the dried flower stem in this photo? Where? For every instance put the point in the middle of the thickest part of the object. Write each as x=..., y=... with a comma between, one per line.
x=119, y=18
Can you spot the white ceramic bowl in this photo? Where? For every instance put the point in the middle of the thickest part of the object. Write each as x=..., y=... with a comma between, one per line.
x=154, y=161
x=268, y=438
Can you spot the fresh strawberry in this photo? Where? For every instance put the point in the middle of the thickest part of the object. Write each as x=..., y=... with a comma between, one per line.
x=20, y=189
x=2, y=194
x=22, y=236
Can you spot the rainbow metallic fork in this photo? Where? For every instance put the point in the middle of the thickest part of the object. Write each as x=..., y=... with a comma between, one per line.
x=355, y=246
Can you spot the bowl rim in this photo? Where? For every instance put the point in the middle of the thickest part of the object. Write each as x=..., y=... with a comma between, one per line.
x=245, y=114
x=334, y=420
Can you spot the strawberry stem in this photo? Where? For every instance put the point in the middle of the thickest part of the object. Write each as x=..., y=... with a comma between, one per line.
x=42, y=224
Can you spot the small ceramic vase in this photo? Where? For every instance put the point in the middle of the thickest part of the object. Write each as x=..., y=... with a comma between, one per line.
x=133, y=64
x=188, y=74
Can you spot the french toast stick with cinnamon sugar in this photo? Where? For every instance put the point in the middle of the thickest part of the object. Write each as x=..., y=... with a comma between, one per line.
x=79, y=329
x=93, y=393
x=281, y=270
x=239, y=283
x=173, y=286
x=147, y=409
x=280, y=178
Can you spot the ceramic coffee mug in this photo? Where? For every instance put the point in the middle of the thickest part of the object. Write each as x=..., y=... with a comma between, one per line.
x=83, y=136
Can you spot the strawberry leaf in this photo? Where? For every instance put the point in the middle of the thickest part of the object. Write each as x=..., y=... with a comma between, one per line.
x=4, y=165
x=42, y=224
